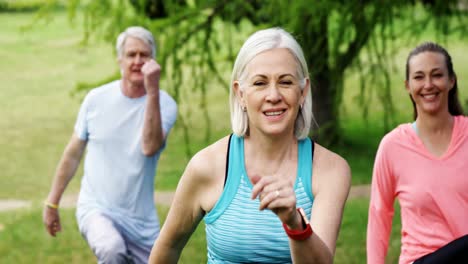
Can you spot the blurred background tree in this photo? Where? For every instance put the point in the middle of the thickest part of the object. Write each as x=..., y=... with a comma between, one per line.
x=203, y=36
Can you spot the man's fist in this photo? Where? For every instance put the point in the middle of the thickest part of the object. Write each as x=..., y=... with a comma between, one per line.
x=151, y=72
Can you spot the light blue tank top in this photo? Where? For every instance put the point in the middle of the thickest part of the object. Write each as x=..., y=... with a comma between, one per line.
x=236, y=231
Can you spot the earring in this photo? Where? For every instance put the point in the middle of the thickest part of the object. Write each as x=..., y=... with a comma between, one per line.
x=244, y=108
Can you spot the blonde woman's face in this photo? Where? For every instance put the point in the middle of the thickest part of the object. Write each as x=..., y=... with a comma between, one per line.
x=271, y=92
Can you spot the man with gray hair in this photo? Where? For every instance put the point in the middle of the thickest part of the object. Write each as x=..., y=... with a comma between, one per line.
x=124, y=125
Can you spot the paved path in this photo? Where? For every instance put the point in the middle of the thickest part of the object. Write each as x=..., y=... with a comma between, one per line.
x=69, y=201
x=11, y=204
x=163, y=198
x=359, y=191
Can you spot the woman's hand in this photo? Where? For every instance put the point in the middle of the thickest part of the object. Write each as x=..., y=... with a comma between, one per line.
x=277, y=194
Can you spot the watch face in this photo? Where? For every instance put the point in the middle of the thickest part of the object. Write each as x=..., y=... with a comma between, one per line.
x=303, y=215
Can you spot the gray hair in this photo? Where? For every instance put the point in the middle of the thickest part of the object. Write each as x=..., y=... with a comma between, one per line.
x=258, y=42
x=135, y=32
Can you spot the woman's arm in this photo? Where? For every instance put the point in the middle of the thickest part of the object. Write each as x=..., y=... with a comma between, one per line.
x=197, y=191
x=381, y=208
x=331, y=181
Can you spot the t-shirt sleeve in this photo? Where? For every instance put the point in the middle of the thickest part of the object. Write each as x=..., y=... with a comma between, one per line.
x=81, y=124
x=381, y=208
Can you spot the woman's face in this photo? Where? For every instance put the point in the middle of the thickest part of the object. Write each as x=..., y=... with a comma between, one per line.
x=271, y=92
x=429, y=82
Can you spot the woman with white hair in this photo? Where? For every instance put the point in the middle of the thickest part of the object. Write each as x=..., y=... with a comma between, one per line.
x=267, y=193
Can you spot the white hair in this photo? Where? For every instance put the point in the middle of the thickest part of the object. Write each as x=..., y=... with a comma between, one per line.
x=258, y=42
x=135, y=32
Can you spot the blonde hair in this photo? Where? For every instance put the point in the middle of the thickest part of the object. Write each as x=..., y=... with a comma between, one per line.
x=258, y=42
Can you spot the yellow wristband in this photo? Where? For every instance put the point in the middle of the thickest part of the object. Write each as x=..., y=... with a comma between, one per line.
x=51, y=205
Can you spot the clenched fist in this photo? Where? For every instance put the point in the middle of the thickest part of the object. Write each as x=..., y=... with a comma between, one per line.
x=151, y=73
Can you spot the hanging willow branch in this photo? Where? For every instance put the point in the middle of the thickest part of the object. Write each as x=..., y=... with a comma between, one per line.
x=198, y=39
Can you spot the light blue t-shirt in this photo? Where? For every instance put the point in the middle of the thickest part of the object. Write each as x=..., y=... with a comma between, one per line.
x=236, y=231
x=118, y=178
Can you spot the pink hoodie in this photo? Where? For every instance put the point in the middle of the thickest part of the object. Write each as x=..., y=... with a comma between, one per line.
x=432, y=192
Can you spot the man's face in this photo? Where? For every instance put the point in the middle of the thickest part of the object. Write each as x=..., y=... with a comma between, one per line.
x=135, y=54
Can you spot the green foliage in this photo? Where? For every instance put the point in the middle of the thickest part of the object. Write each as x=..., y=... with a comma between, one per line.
x=200, y=39
x=22, y=5
x=38, y=112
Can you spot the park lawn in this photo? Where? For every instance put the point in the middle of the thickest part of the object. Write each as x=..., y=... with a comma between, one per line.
x=23, y=238
x=39, y=69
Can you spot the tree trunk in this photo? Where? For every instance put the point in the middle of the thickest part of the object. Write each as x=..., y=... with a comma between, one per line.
x=324, y=89
x=325, y=110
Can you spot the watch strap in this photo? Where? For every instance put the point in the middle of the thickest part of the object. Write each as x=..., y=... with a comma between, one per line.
x=300, y=234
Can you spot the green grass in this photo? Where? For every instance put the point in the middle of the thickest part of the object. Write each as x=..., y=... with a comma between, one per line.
x=351, y=244
x=23, y=230
x=39, y=69
x=24, y=240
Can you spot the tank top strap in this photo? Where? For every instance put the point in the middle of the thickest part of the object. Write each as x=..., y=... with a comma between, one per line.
x=235, y=166
x=304, y=165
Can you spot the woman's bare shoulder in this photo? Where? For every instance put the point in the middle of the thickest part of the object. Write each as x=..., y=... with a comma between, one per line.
x=327, y=159
x=329, y=167
x=209, y=160
x=205, y=174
